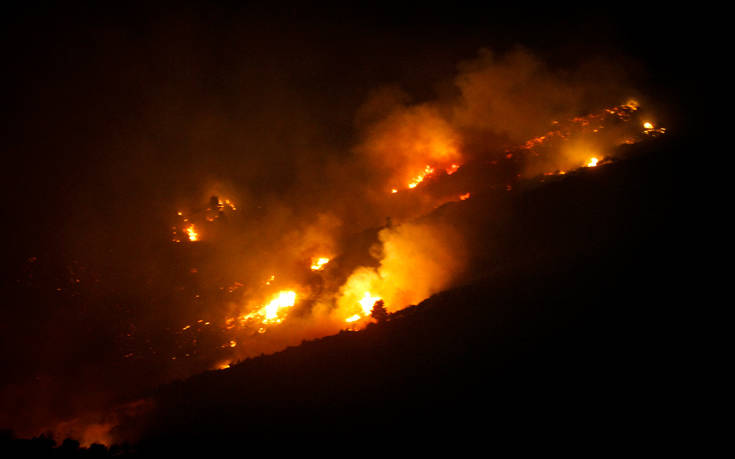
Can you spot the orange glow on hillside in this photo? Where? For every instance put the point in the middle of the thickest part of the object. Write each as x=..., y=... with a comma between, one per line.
x=273, y=312
x=428, y=170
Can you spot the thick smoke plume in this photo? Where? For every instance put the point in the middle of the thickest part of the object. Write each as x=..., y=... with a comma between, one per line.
x=416, y=261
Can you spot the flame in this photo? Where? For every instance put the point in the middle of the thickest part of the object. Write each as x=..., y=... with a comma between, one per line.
x=284, y=299
x=192, y=233
x=367, y=302
x=317, y=264
x=428, y=170
x=406, y=246
x=223, y=365
x=650, y=129
x=272, y=312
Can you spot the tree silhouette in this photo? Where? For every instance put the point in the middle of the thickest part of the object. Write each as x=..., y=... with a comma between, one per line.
x=379, y=312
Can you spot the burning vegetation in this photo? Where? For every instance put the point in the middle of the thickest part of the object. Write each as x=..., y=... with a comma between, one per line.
x=409, y=261
x=238, y=271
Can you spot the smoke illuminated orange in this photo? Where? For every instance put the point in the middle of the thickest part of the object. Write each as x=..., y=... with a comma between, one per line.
x=272, y=312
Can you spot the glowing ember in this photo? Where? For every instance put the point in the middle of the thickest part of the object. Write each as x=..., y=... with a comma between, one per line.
x=452, y=169
x=394, y=190
x=317, y=264
x=464, y=197
x=650, y=129
x=192, y=233
x=592, y=162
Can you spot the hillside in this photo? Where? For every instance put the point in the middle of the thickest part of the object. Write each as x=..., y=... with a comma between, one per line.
x=567, y=323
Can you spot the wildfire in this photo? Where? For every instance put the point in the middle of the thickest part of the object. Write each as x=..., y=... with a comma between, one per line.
x=272, y=312
x=650, y=129
x=223, y=365
x=395, y=279
x=192, y=233
x=367, y=302
x=317, y=264
x=428, y=170
x=227, y=203
x=594, y=122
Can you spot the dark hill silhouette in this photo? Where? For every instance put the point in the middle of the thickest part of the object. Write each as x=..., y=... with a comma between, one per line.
x=567, y=324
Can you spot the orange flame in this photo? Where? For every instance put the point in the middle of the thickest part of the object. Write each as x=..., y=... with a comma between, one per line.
x=367, y=302
x=317, y=264
x=192, y=233
x=428, y=170
x=272, y=312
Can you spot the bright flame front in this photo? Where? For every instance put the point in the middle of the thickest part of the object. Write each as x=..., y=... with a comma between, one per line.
x=317, y=264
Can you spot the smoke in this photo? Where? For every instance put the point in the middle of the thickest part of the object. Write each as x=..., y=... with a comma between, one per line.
x=408, y=139
x=416, y=261
x=513, y=95
x=307, y=151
